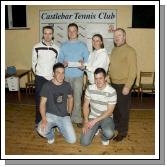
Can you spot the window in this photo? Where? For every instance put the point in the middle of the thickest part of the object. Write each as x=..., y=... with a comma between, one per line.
x=15, y=16
x=143, y=16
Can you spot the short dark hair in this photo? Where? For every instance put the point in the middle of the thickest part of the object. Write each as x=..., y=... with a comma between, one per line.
x=57, y=65
x=101, y=38
x=73, y=25
x=100, y=70
x=48, y=27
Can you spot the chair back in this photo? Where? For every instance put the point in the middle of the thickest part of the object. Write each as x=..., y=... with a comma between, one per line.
x=146, y=82
x=147, y=78
x=30, y=76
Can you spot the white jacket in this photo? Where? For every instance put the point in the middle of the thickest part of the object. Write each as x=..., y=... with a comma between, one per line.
x=97, y=59
x=43, y=59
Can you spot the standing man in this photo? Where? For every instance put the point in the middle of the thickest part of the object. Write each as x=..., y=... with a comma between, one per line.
x=55, y=107
x=44, y=56
x=102, y=99
x=122, y=71
x=74, y=51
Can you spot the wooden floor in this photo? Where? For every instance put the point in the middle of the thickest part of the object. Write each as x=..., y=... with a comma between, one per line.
x=21, y=137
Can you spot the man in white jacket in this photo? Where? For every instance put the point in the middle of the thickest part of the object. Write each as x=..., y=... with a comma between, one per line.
x=44, y=56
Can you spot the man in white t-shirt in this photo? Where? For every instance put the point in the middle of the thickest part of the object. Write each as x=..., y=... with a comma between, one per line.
x=102, y=99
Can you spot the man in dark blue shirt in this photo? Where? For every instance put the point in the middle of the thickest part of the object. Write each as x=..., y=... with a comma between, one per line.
x=55, y=107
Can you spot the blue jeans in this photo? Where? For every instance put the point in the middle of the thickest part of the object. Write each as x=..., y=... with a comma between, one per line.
x=64, y=125
x=77, y=85
x=107, y=127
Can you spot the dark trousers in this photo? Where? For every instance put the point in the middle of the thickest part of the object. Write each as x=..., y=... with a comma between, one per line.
x=121, y=111
x=39, y=82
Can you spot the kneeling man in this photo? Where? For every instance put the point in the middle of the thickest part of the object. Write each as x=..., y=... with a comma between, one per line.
x=55, y=107
x=102, y=99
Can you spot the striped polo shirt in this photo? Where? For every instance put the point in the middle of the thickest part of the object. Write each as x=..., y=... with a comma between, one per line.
x=99, y=99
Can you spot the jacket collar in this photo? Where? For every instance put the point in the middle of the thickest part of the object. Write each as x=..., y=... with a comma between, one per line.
x=43, y=42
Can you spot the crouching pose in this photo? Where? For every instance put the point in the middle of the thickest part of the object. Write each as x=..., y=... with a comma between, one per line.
x=102, y=99
x=55, y=107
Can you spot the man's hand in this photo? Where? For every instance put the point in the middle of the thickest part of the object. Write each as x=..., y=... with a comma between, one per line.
x=125, y=90
x=85, y=128
x=43, y=124
x=82, y=65
x=65, y=63
x=88, y=125
x=91, y=123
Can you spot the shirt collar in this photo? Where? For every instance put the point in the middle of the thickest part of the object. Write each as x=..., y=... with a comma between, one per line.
x=43, y=42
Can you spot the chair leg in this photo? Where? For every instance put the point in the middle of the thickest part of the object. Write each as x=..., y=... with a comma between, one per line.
x=34, y=89
x=29, y=89
x=138, y=92
x=26, y=89
x=141, y=93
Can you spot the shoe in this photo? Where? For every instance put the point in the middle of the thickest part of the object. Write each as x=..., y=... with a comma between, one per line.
x=56, y=129
x=98, y=131
x=79, y=125
x=118, y=138
x=40, y=132
x=51, y=141
x=105, y=143
x=35, y=126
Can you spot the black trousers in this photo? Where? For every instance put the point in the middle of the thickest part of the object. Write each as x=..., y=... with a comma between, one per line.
x=39, y=82
x=121, y=111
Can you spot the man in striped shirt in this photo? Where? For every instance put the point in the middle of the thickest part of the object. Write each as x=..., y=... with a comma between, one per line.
x=102, y=99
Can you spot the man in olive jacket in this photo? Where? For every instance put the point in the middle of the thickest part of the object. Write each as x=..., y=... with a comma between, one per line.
x=122, y=71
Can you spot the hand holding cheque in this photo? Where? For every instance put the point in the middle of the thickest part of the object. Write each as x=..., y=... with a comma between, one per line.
x=71, y=64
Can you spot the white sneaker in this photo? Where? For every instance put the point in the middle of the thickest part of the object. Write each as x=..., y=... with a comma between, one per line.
x=51, y=141
x=105, y=143
x=98, y=131
x=41, y=132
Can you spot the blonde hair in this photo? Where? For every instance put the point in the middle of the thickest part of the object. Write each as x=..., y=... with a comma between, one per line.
x=121, y=29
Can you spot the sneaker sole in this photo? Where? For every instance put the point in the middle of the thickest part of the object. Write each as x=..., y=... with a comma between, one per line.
x=51, y=142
